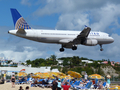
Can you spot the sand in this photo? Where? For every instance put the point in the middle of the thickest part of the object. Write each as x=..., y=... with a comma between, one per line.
x=8, y=86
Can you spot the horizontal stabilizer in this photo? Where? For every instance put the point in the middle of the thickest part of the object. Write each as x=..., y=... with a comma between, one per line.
x=21, y=31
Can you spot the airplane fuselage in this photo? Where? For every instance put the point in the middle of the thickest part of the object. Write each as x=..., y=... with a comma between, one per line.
x=54, y=36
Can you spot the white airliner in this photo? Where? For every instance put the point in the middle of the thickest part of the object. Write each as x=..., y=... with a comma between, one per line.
x=67, y=39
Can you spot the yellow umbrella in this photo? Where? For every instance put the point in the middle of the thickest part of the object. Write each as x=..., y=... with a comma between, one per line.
x=46, y=75
x=21, y=74
x=93, y=76
x=38, y=73
x=61, y=74
x=36, y=76
x=74, y=74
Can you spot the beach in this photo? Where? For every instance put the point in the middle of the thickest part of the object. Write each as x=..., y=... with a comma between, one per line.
x=8, y=86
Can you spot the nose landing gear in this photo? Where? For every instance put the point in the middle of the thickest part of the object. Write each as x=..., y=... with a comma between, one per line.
x=101, y=49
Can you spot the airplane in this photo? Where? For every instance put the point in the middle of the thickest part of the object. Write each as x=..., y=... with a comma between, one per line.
x=67, y=39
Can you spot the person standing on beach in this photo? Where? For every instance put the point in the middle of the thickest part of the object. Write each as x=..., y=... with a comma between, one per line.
x=13, y=80
x=54, y=85
x=66, y=86
x=59, y=85
x=85, y=76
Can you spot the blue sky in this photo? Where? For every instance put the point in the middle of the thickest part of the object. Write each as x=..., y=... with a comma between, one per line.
x=102, y=15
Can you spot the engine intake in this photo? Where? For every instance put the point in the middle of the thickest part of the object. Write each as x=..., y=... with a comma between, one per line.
x=91, y=42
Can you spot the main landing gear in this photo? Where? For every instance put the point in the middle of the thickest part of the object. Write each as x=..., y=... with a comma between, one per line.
x=74, y=47
x=101, y=49
x=61, y=49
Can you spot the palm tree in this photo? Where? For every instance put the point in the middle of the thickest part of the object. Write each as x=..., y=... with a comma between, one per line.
x=53, y=57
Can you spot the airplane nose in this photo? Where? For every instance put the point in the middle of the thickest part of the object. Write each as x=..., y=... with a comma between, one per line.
x=112, y=40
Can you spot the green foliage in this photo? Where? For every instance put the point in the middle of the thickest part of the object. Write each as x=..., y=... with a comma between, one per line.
x=22, y=64
x=64, y=70
x=80, y=69
x=73, y=63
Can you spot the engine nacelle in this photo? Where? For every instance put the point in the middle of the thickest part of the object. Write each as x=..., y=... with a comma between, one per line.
x=91, y=42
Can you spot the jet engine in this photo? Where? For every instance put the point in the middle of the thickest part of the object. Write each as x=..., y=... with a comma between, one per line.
x=91, y=42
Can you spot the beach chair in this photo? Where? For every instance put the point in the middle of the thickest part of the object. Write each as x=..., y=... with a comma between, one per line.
x=96, y=83
x=71, y=82
x=75, y=84
x=68, y=80
x=87, y=86
x=104, y=85
x=19, y=82
x=62, y=80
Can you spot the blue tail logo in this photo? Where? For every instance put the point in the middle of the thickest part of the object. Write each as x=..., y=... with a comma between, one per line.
x=18, y=20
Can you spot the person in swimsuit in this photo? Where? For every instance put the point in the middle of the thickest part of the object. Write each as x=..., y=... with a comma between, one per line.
x=13, y=80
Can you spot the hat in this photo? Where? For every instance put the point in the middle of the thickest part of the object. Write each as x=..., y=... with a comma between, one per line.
x=108, y=76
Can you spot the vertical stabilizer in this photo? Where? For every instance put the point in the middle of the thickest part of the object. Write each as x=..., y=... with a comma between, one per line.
x=18, y=20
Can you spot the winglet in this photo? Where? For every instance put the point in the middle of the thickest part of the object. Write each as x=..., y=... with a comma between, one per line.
x=86, y=26
x=18, y=20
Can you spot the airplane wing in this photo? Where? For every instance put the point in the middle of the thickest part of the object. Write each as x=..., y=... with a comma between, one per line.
x=78, y=40
x=82, y=36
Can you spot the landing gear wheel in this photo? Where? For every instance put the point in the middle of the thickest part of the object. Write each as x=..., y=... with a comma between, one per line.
x=61, y=49
x=101, y=49
x=74, y=48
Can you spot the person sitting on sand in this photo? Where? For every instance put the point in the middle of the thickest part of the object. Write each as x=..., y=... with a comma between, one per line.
x=2, y=81
x=21, y=88
x=100, y=86
x=27, y=88
x=35, y=82
x=20, y=79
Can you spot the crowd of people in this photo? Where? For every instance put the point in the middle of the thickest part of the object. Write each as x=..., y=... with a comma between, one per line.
x=57, y=83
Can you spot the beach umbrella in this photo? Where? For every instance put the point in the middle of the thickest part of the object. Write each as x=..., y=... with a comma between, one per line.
x=61, y=74
x=74, y=74
x=35, y=76
x=95, y=76
x=21, y=74
x=38, y=73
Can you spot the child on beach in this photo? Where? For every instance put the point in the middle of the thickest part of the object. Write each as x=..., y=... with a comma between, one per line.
x=27, y=88
x=21, y=88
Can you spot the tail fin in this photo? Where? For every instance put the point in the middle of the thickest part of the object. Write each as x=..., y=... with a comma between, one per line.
x=18, y=20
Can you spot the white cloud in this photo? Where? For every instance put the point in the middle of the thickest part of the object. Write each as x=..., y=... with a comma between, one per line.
x=74, y=14
x=99, y=15
x=25, y=2
x=71, y=6
x=72, y=21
